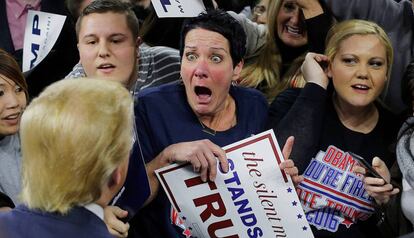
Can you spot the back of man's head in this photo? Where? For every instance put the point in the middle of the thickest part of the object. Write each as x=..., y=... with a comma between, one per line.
x=115, y=6
x=74, y=136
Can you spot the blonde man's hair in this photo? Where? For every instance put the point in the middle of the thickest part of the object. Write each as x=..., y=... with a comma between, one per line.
x=343, y=30
x=74, y=135
x=263, y=71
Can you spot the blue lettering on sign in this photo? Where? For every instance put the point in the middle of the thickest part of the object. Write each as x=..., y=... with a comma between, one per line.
x=35, y=47
x=244, y=209
x=326, y=218
x=164, y=3
x=35, y=27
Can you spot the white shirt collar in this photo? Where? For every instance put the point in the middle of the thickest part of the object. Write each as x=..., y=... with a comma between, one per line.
x=95, y=209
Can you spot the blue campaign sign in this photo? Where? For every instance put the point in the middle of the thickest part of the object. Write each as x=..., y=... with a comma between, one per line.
x=164, y=3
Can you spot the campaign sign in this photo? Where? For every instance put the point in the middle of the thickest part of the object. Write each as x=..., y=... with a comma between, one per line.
x=41, y=33
x=332, y=194
x=253, y=199
x=178, y=8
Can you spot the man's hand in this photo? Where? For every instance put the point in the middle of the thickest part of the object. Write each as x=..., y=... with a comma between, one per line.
x=112, y=216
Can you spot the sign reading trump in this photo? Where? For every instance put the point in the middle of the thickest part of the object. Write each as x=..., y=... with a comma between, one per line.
x=255, y=198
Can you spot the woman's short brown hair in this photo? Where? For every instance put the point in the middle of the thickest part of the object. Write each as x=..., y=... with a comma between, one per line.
x=10, y=68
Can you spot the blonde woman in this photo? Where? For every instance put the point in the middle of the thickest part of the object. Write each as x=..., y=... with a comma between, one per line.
x=397, y=19
x=328, y=122
x=76, y=139
x=293, y=28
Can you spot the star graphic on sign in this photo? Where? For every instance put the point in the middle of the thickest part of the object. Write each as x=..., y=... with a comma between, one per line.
x=299, y=216
x=294, y=203
x=304, y=228
x=289, y=190
x=347, y=222
x=187, y=233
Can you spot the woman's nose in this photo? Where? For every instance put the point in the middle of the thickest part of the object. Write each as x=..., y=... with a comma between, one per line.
x=201, y=70
x=11, y=100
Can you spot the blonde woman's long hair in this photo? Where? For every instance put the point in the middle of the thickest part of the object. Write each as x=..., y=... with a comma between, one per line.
x=263, y=71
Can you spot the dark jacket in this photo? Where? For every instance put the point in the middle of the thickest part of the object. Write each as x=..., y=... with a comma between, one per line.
x=23, y=222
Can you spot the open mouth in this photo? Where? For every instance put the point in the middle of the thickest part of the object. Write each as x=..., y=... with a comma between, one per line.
x=13, y=116
x=360, y=87
x=203, y=93
x=106, y=67
x=296, y=31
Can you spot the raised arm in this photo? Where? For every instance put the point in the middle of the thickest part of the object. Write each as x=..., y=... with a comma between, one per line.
x=301, y=115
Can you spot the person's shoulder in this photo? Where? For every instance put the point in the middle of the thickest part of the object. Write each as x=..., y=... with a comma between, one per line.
x=77, y=71
x=286, y=98
x=248, y=92
x=165, y=89
x=158, y=51
x=18, y=213
x=249, y=96
x=389, y=121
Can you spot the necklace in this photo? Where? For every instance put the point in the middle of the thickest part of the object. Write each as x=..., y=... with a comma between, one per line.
x=212, y=132
x=207, y=129
x=233, y=122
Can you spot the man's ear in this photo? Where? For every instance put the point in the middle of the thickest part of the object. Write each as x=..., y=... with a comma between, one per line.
x=115, y=179
x=138, y=42
x=237, y=70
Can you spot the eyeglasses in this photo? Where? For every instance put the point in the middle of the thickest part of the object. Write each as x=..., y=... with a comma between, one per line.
x=259, y=10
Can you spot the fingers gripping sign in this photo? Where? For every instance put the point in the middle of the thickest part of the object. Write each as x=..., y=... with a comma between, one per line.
x=202, y=154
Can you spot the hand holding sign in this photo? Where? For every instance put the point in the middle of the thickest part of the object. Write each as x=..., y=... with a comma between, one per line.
x=255, y=198
x=201, y=154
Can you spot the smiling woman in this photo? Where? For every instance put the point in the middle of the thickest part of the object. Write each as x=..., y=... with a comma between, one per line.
x=13, y=99
x=293, y=28
x=343, y=117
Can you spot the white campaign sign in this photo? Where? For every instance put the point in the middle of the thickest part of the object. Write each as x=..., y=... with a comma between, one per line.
x=254, y=199
x=178, y=8
x=41, y=33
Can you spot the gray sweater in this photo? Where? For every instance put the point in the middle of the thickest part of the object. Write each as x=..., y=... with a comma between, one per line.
x=10, y=164
x=397, y=19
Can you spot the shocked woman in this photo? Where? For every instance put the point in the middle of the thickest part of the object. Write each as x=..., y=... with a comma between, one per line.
x=189, y=121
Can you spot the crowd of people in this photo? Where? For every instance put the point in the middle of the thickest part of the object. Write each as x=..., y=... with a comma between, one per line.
x=124, y=93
